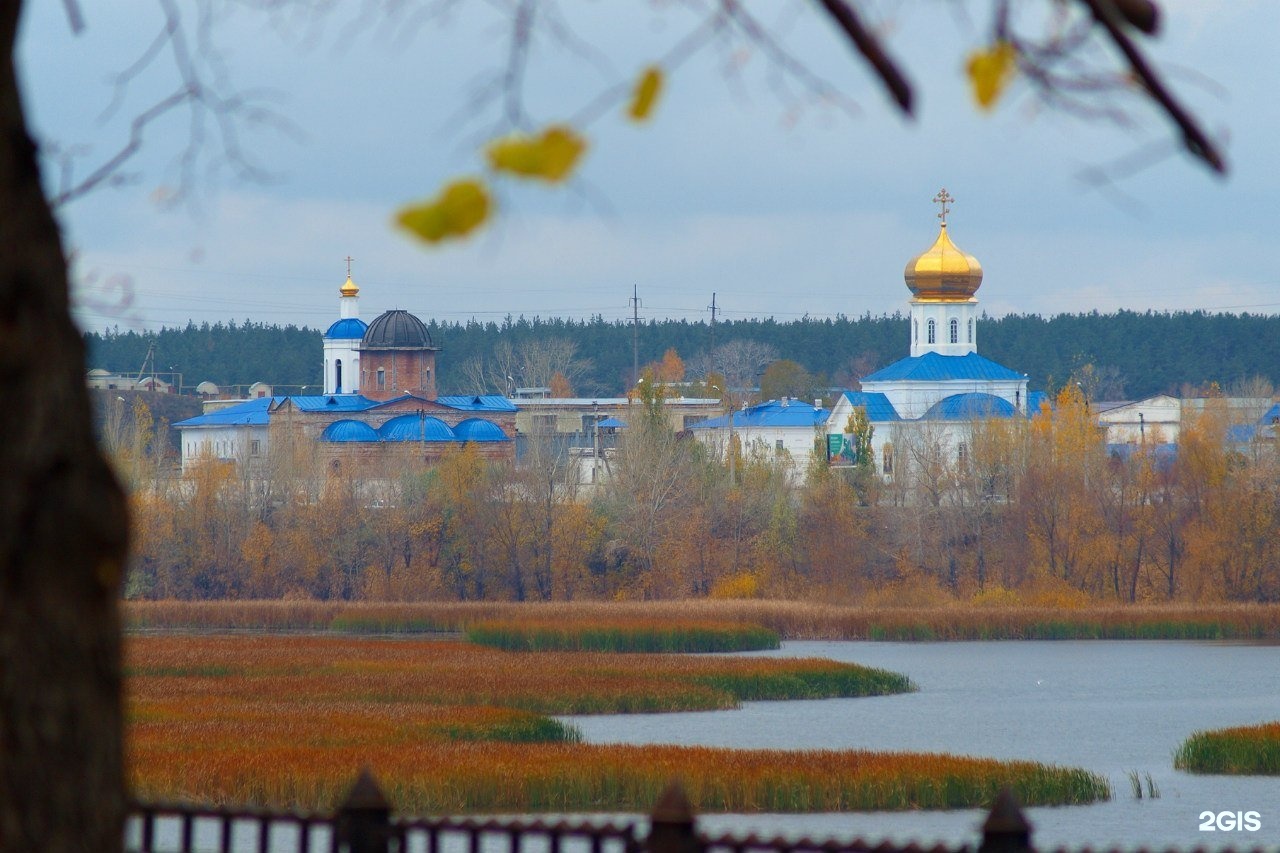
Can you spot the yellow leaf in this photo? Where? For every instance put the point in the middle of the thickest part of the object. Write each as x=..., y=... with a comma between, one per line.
x=645, y=94
x=549, y=156
x=990, y=71
x=459, y=209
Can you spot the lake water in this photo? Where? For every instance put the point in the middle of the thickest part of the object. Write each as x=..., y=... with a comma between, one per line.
x=1110, y=707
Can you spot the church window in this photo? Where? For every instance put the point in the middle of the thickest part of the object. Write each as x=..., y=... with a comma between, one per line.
x=382, y=378
x=962, y=453
x=932, y=331
x=915, y=331
x=888, y=458
x=955, y=331
x=255, y=448
x=337, y=376
x=970, y=330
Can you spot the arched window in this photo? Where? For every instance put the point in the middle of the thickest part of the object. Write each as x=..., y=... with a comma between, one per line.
x=955, y=331
x=932, y=329
x=337, y=376
x=970, y=330
x=888, y=458
x=915, y=331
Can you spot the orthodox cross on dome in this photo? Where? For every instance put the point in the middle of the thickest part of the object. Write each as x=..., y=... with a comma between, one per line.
x=943, y=198
x=349, y=259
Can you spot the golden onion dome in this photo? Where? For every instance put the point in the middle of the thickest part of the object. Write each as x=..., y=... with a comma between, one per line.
x=943, y=273
x=349, y=289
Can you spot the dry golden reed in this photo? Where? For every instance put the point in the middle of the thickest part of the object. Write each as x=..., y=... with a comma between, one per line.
x=792, y=620
x=287, y=721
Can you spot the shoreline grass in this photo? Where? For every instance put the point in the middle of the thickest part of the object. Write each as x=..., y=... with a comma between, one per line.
x=287, y=722
x=1238, y=751
x=791, y=620
x=624, y=635
x=471, y=778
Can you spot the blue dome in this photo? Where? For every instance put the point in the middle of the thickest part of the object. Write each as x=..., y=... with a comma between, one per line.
x=416, y=428
x=968, y=407
x=349, y=431
x=351, y=328
x=478, y=429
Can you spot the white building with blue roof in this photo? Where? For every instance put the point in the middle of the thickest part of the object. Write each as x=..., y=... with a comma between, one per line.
x=785, y=430
x=943, y=386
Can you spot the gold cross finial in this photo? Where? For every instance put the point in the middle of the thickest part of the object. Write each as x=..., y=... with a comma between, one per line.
x=943, y=198
x=349, y=259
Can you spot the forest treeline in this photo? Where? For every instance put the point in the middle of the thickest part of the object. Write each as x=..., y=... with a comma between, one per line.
x=1133, y=354
x=1035, y=512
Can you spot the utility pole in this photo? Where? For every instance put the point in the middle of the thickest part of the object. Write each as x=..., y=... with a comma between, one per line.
x=712, y=350
x=635, y=334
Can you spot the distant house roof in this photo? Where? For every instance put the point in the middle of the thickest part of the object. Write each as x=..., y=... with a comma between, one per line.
x=477, y=402
x=774, y=413
x=255, y=412
x=932, y=367
x=326, y=402
x=249, y=413
x=349, y=328
x=877, y=405
x=968, y=407
x=612, y=423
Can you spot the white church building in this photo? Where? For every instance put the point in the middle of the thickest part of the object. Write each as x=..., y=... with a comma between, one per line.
x=943, y=386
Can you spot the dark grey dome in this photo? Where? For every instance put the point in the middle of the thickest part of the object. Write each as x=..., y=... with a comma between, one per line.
x=396, y=330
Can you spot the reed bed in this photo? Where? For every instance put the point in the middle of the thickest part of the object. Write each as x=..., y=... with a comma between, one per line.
x=460, y=778
x=288, y=721
x=791, y=620
x=441, y=672
x=622, y=635
x=1244, y=750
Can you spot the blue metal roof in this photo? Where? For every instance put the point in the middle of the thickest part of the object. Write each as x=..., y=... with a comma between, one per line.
x=774, y=413
x=349, y=430
x=612, y=423
x=968, y=407
x=348, y=328
x=932, y=367
x=329, y=402
x=248, y=413
x=1271, y=416
x=877, y=405
x=1036, y=400
x=478, y=429
x=415, y=428
x=477, y=402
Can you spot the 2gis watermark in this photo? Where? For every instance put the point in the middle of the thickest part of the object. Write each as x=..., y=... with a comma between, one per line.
x=1237, y=821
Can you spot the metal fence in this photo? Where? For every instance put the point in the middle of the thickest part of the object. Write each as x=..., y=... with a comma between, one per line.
x=364, y=823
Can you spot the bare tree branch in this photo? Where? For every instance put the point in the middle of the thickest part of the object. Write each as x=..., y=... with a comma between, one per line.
x=1195, y=140
x=867, y=45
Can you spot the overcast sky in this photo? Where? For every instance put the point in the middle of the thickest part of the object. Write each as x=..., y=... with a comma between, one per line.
x=781, y=209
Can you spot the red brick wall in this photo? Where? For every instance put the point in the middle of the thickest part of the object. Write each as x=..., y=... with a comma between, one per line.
x=412, y=371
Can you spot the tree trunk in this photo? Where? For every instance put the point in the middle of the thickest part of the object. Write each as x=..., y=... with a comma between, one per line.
x=63, y=535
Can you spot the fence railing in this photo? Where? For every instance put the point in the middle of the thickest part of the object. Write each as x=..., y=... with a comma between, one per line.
x=364, y=823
